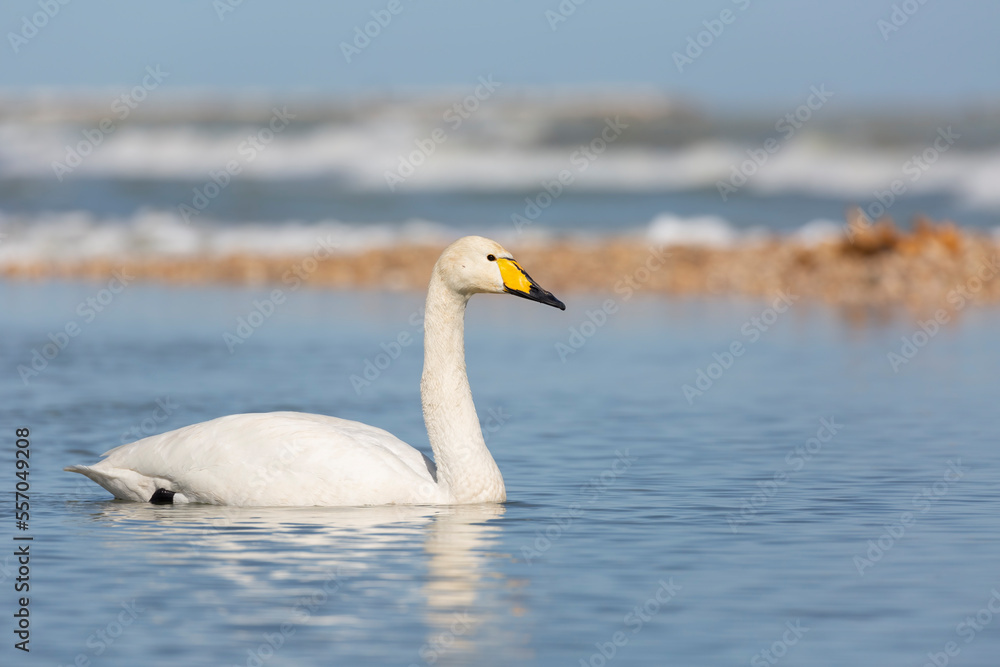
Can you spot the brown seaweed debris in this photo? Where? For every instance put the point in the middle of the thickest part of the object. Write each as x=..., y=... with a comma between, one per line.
x=866, y=238
x=872, y=265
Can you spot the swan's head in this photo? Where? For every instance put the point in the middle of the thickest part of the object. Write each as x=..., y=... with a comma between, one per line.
x=474, y=264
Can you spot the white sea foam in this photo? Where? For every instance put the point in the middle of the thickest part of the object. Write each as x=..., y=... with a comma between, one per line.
x=709, y=231
x=363, y=151
x=78, y=235
x=819, y=231
x=67, y=237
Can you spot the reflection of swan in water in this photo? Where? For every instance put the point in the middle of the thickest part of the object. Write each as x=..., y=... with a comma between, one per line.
x=313, y=566
x=251, y=546
x=458, y=571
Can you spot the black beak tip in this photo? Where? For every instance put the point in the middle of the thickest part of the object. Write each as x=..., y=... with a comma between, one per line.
x=539, y=295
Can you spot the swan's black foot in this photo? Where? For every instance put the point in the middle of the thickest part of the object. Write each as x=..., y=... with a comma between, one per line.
x=162, y=497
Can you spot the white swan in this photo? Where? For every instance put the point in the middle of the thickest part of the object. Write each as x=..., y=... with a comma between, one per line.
x=292, y=458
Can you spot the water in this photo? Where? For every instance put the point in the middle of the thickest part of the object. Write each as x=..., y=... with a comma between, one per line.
x=621, y=490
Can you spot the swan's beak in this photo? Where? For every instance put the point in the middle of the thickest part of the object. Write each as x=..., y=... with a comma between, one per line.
x=519, y=283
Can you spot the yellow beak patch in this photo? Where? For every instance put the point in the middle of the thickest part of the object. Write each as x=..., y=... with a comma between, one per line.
x=519, y=283
x=514, y=277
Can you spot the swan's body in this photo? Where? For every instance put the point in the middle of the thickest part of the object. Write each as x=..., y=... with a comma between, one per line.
x=271, y=458
x=292, y=458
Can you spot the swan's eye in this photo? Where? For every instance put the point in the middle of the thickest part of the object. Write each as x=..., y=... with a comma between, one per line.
x=491, y=258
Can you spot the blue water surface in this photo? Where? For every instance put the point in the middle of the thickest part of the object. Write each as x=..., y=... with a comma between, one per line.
x=812, y=505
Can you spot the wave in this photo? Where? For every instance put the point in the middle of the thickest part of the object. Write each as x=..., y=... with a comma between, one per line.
x=77, y=236
x=384, y=154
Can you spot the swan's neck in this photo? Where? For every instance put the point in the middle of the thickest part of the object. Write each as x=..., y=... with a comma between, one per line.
x=464, y=465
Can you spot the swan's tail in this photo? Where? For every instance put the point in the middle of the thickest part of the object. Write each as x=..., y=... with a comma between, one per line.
x=122, y=484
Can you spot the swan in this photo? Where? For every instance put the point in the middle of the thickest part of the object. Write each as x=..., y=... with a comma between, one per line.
x=293, y=458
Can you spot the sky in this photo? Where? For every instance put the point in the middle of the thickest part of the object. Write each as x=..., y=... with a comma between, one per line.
x=753, y=53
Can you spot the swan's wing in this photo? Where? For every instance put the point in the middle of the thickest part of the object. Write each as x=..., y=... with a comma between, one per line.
x=278, y=458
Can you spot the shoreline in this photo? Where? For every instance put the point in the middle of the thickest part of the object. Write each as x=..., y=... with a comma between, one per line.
x=932, y=266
